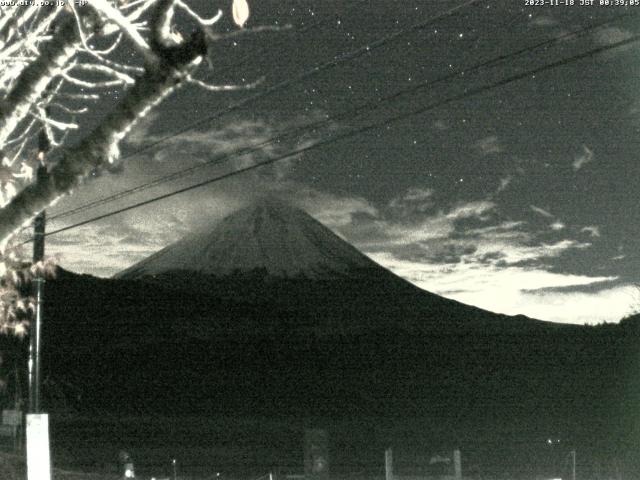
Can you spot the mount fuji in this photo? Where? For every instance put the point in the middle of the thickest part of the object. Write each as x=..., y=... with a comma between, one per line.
x=269, y=236
x=279, y=262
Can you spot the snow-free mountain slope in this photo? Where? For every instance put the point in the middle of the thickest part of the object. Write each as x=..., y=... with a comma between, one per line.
x=270, y=236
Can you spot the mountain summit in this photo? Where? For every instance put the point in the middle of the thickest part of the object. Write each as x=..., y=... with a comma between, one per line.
x=270, y=236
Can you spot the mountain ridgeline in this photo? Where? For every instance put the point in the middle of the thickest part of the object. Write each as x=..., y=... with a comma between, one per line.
x=268, y=312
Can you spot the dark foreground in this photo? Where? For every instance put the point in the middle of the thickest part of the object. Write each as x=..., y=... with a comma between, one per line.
x=231, y=448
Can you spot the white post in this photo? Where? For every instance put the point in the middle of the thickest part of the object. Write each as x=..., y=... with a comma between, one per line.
x=388, y=464
x=38, y=455
x=457, y=464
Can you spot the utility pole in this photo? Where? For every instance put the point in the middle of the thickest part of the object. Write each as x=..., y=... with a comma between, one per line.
x=38, y=256
x=37, y=423
x=573, y=465
x=36, y=329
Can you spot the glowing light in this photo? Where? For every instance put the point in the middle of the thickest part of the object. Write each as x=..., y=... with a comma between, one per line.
x=240, y=10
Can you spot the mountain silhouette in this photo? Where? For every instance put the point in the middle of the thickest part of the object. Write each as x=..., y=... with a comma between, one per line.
x=269, y=313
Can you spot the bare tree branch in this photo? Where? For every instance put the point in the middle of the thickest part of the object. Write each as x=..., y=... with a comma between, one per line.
x=44, y=75
x=35, y=78
x=114, y=15
x=100, y=147
x=205, y=22
x=223, y=88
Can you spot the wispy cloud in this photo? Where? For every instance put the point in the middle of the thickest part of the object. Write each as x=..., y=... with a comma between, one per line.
x=541, y=211
x=415, y=200
x=585, y=157
x=478, y=209
x=466, y=252
x=543, y=21
x=440, y=125
x=504, y=183
x=330, y=209
x=592, y=230
x=489, y=145
x=556, y=224
x=118, y=241
x=611, y=35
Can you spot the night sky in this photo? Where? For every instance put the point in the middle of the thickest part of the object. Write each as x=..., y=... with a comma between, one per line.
x=521, y=199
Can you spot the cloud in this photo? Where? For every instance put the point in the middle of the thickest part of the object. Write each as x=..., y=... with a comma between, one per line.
x=497, y=264
x=330, y=209
x=611, y=35
x=518, y=250
x=543, y=21
x=418, y=194
x=440, y=125
x=541, y=211
x=477, y=209
x=585, y=157
x=466, y=250
x=421, y=226
x=112, y=243
x=471, y=231
x=489, y=145
x=609, y=304
x=504, y=183
x=415, y=200
x=556, y=225
x=512, y=290
x=592, y=230
x=115, y=243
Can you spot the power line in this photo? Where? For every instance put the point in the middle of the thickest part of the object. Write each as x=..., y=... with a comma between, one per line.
x=354, y=112
x=284, y=84
x=306, y=74
x=352, y=55
x=360, y=130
